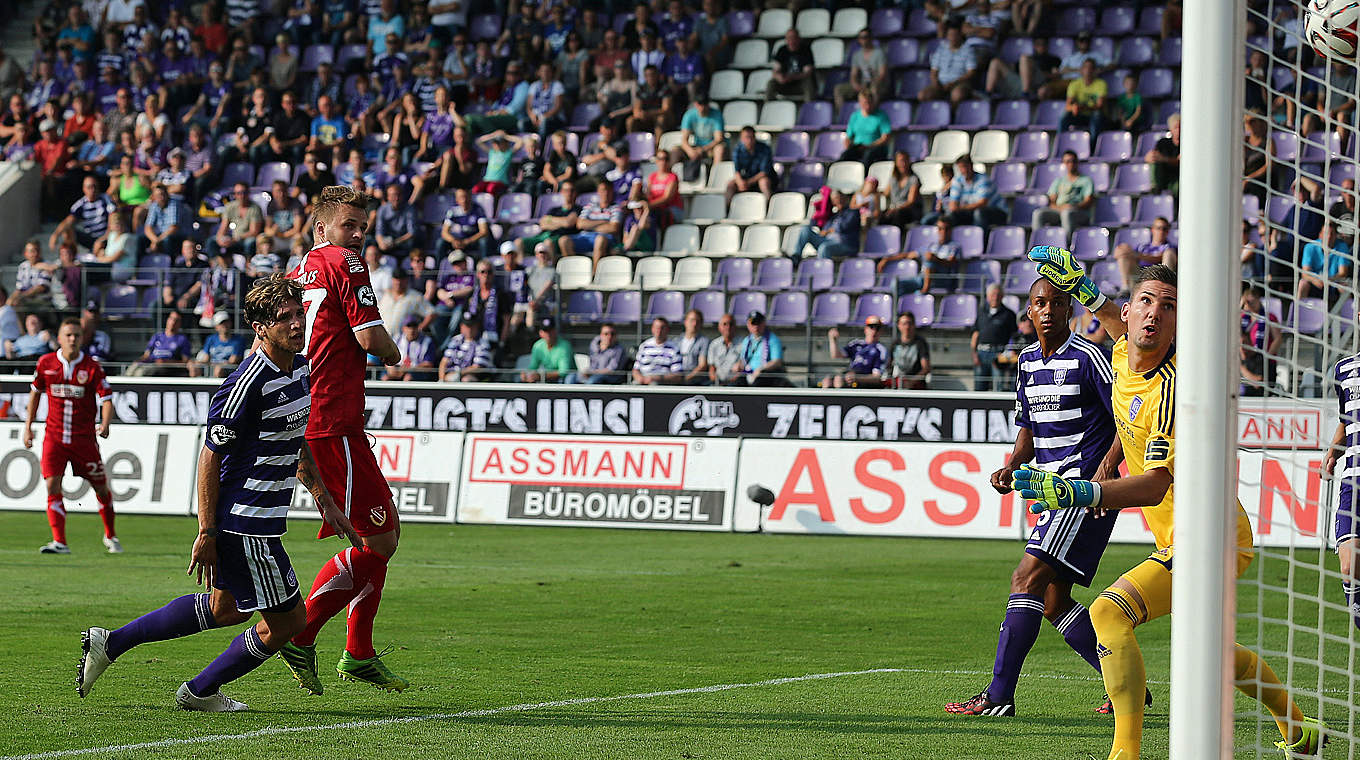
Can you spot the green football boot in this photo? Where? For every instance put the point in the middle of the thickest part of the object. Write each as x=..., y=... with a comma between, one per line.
x=371, y=670
x=302, y=662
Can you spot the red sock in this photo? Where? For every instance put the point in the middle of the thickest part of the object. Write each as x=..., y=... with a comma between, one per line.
x=331, y=592
x=371, y=571
x=106, y=513
x=56, y=517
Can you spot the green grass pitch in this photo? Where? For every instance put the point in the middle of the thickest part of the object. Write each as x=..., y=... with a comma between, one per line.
x=485, y=618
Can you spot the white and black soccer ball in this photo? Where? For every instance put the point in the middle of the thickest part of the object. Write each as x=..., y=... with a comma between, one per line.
x=1332, y=27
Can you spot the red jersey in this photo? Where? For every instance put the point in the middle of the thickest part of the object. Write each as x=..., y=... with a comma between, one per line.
x=340, y=302
x=73, y=390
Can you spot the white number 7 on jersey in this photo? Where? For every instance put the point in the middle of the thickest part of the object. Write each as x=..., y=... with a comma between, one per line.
x=311, y=298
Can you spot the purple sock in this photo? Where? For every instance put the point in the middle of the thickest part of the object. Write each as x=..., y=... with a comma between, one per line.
x=1077, y=630
x=1019, y=630
x=1353, y=600
x=188, y=614
x=245, y=653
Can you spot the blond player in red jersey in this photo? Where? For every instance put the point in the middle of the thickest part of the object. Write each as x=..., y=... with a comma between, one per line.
x=343, y=327
x=72, y=380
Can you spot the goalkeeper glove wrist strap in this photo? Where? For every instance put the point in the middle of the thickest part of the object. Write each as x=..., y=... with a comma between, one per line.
x=1090, y=295
x=1089, y=491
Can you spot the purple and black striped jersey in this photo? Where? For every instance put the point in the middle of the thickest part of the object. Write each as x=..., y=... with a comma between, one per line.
x=1346, y=375
x=1064, y=400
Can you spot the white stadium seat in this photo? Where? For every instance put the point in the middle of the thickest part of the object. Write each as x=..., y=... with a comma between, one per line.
x=721, y=173
x=573, y=272
x=845, y=175
x=756, y=81
x=787, y=208
x=680, y=240
x=777, y=116
x=751, y=54
x=882, y=171
x=653, y=273
x=739, y=113
x=669, y=139
x=774, y=22
x=948, y=145
x=726, y=85
x=991, y=146
x=848, y=22
x=693, y=273
x=813, y=23
x=828, y=52
x=760, y=240
x=929, y=174
x=746, y=208
x=706, y=209
x=613, y=273
x=721, y=240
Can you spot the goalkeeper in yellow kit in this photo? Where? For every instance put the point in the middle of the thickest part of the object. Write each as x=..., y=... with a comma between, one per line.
x=1143, y=402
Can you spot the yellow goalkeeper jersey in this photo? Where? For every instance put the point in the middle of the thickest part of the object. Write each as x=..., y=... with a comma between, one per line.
x=1145, y=415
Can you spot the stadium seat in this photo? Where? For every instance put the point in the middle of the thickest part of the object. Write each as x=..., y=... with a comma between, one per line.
x=957, y=311
x=773, y=23
x=930, y=116
x=919, y=25
x=582, y=115
x=1135, y=52
x=881, y=171
x=1099, y=174
x=788, y=310
x=693, y=273
x=624, y=307
x=613, y=273
x=486, y=26
x=653, y=273
x=919, y=237
x=315, y=55
x=972, y=115
x=830, y=310
x=746, y=208
x=814, y=116
x=1011, y=115
x=1090, y=243
x=514, y=208
x=805, y=178
x=910, y=83
x=991, y=146
x=350, y=54
x=898, y=113
x=855, y=275
x=886, y=23
x=733, y=273
x=751, y=54
x=1170, y=53
x=828, y=146
x=814, y=274
x=827, y=52
x=1308, y=316
x=901, y=52
x=740, y=113
x=1005, y=243
x=584, y=307
x=786, y=208
x=846, y=175
x=709, y=303
x=916, y=144
x=1105, y=274
x=1117, y=21
x=928, y=172
x=668, y=304
x=921, y=306
x=721, y=240
x=1054, y=236
x=813, y=23
x=790, y=147
x=721, y=173
x=1074, y=19
x=901, y=269
x=680, y=240
x=969, y=237
x=1047, y=115
x=706, y=209
x=1133, y=179
x=741, y=24
x=1132, y=236
x=774, y=274
x=1014, y=47
x=848, y=22
x=872, y=305
x=978, y=274
x=1076, y=140
x=150, y=268
x=745, y=303
x=1152, y=206
x=1022, y=208
x=760, y=240
x=728, y=84
x=1009, y=178
x=1157, y=83
x=240, y=171
x=1031, y=147
x=776, y=116
x=881, y=240
x=120, y=302
x=1114, y=146
x=573, y=272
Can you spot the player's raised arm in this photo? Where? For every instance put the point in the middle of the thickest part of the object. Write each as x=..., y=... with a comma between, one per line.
x=1060, y=267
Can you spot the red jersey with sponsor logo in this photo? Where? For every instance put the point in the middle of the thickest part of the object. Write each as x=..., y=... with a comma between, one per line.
x=340, y=301
x=73, y=391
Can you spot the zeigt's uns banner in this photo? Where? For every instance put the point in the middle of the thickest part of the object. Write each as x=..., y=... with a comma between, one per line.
x=150, y=470
x=421, y=469
x=598, y=481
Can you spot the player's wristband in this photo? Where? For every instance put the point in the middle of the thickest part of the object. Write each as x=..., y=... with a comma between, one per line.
x=209, y=532
x=1090, y=295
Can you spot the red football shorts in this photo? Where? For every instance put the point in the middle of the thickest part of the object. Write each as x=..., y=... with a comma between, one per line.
x=351, y=475
x=82, y=454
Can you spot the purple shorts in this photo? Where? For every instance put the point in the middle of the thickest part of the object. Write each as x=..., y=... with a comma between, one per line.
x=256, y=570
x=1071, y=541
x=1345, y=512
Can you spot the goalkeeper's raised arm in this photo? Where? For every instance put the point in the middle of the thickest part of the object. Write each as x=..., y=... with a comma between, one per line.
x=1060, y=267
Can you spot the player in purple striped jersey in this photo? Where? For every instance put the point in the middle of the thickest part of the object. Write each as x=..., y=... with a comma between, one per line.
x=1345, y=451
x=1065, y=426
x=254, y=455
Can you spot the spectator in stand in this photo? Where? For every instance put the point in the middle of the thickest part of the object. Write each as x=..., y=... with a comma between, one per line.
x=1128, y=107
x=868, y=358
x=558, y=221
x=1032, y=70
x=324, y=83
x=639, y=227
x=1258, y=159
x=574, y=64
x=182, y=282
x=1342, y=211
x=867, y=202
x=693, y=350
x=903, y=194
x=1008, y=362
x=952, y=68
x=32, y=281
x=88, y=220
x=1325, y=267
x=599, y=226
x=283, y=64
x=507, y=111
x=623, y=176
x=34, y=342
x=867, y=133
x=1338, y=101
x=200, y=160
x=550, y=359
x=423, y=279
x=992, y=332
x=493, y=305
x=663, y=193
x=458, y=166
x=315, y=176
x=658, y=359
x=67, y=276
x=546, y=104
x=538, y=286
x=222, y=351
x=838, y=238
x=17, y=114
x=327, y=131
x=500, y=153
x=380, y=268
x=417, y=353
x=794, y=75
x=973, y=198
x=405, y=121
x=167, y=222
x=1158, y=250
x=241, y=222
x=752, y=166
x=684, y=73
x=1085, y=107
x=452, y=289
x=724, y=352
x=81, y=120
x=648, y=53
x=254, y=127
x=615, y=95
x=54, y=158
x=559, y=165
x=466, y=358
x=762, y=356
x=20, y=147
x=287, y=134
x=175, y=176
x=606, y=360
x=167, y=353
x=93, y=341
x=651, y=106
x=1165, y=158
x=218, y=288
x=910, y=368
x=1070, y=198
x=399, y=229
x=386, y=21
x=465, y=228
x=154, y=120
x=1261, y=341
x=266, y=260
x=712, y=36
x=701, y=138
x=1070, y=68
x=115, y=253
x=399, y=302
x=436, y=134
x=868, y=70
x=285, y=216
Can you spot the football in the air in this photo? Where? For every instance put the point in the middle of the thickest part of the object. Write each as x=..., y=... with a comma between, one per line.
x=1331, y=27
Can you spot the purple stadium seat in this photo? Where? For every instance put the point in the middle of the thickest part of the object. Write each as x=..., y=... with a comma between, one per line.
x=1133, y=179
x=1313, y=152
x=855, y=274
x=806, y=178
x=788, y=309
x=1075, y=19
x=814, y=274
x=1113, y=146
x=240, y=171
x=918, y=24
x=1150, y=20
x=1308, y=316
x=972, y=115
x=1167, y=108
x=514, y=208
x=349, y=54
x=434, y=207
x=667, y=303
x=830, y=309
x=828, y=146
x=1146, y=142
x=1136, y=51
x=1106, y=276
x=1339, y=172
x=1048, y=236
x=900, y=269
x=150, y=268
x=487, y=203
x=916, y=145
x=1076, y=140
x=1117, y=21
x=582, y=115
x=886, y=22
x=774, y=274
x=1031, y=147
x=1009, y=177
x=1103, y=46
x=1132, y=237
x=486, y=26
x=1113, y=211
x=872, y=305
x=978, y=274
x=1048, y=114
x=1347, y=311
x=1091, y=243
x=741, y=24
x=969, y=238
x=1099, y=172
x=930, y=116
x=1061, y=46
x=1274, y=308
x=733, y=273
x=843, y=118
x=813, y=116
x=919, y=237
x=1011, y=115
x=1170, y=55
x=711, y=304
x=921, y=305
x=272, y=171
x=1005, y=243
x=120, y=302
x=641, y=146
x=625, y=307
x=745, y=303
x=1043, y=177
x=957, y=311
x=314, y=55
x=881, y=240
x=1014, y=47
x=1022, y=208
x=1019, y=276
x=546, y=202
x=898, y=113
x=1157, y=83
x=790, y=147
x=1152, y=206
x=1286, y=145
x=911, y=82
x=1251, y=208
x=1278, y=208
x=902, y=52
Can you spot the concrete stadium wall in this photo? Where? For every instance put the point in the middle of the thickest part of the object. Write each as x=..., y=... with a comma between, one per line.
x=20, y=186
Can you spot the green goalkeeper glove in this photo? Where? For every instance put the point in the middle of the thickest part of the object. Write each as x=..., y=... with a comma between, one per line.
x=1049, y=491
x=1058, y=266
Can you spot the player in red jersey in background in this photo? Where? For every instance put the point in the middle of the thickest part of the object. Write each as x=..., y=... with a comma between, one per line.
x=343, y=326
x=72, y=380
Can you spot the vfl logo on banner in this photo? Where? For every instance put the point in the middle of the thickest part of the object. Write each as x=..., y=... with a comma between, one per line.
x=1134, y=406
x=698, y=415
